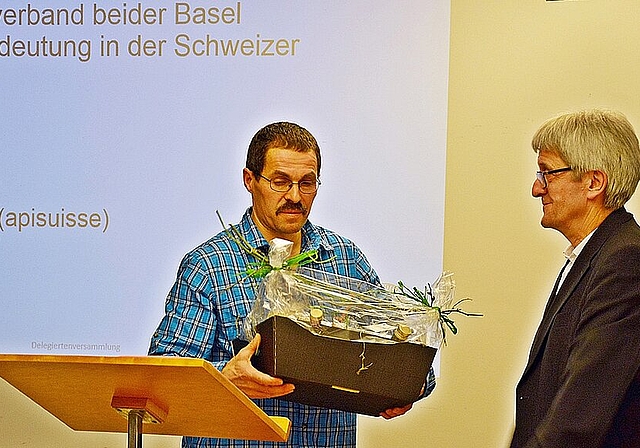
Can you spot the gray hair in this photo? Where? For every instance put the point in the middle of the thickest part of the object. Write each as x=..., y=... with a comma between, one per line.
x=596, y=139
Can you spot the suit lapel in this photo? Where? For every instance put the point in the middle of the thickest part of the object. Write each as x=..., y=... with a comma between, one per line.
x=554, y=304
x=575, y=275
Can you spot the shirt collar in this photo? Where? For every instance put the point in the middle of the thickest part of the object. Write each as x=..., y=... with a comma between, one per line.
x=312, y=238
x=571, y=253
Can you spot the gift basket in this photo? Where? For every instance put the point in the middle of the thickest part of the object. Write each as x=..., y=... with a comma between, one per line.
x=344, y=343
x=340, y=307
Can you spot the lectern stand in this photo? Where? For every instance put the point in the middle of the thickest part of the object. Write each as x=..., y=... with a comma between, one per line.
x=155, y=395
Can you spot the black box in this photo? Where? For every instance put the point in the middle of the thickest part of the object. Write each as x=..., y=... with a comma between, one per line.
x=333, y=372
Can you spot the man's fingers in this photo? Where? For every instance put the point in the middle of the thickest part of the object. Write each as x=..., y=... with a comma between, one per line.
x=251, y=348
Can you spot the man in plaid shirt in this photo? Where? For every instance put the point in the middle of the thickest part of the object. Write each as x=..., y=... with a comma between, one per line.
x=210, y=298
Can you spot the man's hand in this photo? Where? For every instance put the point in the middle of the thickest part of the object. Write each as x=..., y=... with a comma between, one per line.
x=395, y=412
x=248, y=379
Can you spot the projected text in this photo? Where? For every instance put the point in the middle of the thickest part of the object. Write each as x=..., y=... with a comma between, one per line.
x=103, y=31
x=61, y=219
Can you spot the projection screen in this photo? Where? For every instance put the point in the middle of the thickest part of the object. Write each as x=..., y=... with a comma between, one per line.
x=125, y=127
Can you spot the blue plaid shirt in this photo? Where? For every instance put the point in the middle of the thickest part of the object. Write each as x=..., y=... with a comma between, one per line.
x=204, y=312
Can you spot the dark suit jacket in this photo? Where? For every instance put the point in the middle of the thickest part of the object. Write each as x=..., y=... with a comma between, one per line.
x=581, y=385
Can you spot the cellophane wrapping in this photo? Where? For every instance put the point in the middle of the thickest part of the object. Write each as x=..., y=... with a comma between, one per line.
x=367, y=312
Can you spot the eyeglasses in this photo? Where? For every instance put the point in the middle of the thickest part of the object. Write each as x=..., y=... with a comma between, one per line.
x=283, y=184
x=542, y=175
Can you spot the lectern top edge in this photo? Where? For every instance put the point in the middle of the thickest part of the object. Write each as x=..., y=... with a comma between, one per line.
x=198, y=399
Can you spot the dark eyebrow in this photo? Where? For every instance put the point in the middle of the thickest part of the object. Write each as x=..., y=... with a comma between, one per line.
x=308, y=176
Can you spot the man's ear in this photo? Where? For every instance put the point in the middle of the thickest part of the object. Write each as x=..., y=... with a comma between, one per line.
x=598, y=182
x=247, y=179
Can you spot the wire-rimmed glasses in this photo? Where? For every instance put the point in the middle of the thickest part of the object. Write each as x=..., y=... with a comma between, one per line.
x=284, y=184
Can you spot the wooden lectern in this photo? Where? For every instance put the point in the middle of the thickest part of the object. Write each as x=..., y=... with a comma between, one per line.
x=155, y=395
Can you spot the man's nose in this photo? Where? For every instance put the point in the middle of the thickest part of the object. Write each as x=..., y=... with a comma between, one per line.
x=537, y=189
x=294, y=193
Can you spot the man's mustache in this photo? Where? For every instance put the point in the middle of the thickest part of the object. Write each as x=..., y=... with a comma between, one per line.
x=292, y=207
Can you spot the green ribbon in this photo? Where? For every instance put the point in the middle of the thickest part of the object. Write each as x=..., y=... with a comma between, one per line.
x=262, y=268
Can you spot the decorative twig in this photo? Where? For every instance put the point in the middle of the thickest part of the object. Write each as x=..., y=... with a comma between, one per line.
x=262, y=267
x=427, y=299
